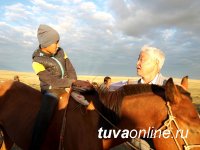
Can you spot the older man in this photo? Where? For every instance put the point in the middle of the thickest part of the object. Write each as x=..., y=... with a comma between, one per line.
x=149, y=64
x=148, y=67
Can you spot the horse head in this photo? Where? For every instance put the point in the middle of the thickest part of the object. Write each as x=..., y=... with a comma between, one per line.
x=158, y=109
x=183, y=122
x=180, y=101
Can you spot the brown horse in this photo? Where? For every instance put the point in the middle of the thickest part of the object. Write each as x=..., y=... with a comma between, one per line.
x=166, y=110
x=19, y=105
x=131, y=107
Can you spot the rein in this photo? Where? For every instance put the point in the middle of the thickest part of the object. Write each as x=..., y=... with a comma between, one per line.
x=114, y=126
x=168, y=125
x=64, y=123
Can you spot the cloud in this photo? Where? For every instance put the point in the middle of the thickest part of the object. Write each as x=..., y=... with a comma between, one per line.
x=168, y=33
x=105, y=37
x=103, y=16
x=144, y=16
x=88, y=7
x=16, y=12
x=44, y=5
x=170, y=25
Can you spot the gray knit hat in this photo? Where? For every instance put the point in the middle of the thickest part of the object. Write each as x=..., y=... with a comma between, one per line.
x=47, y=35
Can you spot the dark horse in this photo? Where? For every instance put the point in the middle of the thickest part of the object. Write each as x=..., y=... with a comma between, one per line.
x=137, y=107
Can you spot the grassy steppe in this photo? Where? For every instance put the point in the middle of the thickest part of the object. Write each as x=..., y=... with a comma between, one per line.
x=32, y=80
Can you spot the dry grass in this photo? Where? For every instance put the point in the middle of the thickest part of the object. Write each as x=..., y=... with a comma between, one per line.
x=25, y=77
x=32, y=80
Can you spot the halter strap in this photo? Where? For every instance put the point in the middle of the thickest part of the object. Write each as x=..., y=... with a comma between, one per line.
x=167, y=124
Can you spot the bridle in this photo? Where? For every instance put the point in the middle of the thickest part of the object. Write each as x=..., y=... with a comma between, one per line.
x=168, y=125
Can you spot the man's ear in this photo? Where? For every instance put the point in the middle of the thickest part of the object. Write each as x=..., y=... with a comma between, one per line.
x=157, y=63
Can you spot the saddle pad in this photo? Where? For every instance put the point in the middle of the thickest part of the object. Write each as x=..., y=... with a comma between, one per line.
x=80, y=98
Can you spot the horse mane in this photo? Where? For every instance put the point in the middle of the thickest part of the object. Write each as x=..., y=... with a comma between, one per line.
x=113, y=99
x=108, y=103
x=184, y=92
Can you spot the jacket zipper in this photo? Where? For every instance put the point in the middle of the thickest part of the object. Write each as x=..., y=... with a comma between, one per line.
x=61, y=67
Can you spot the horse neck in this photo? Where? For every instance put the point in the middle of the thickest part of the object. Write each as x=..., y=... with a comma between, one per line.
x=102, y=90
x=103, y=94
x=111, y=99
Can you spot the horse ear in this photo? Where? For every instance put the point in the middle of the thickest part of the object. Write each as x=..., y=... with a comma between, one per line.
x=184, y=82
x=171, y=92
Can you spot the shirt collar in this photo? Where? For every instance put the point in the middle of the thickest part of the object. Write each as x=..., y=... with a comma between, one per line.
x=152, y=82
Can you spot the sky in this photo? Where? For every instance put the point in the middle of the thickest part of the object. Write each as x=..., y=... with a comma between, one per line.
x=104, y=37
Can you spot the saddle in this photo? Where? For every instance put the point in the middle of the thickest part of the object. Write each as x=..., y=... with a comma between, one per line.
x=48, y=105
x=80, y=87
x=80, y=98
x=75, y=94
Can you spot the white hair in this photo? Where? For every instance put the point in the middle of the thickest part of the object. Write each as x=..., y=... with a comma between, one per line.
x=155, y=53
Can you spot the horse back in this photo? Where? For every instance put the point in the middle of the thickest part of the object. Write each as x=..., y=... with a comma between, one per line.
x=19, y=104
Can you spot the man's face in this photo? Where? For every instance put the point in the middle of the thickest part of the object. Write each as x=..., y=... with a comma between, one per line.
x=146, y=65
